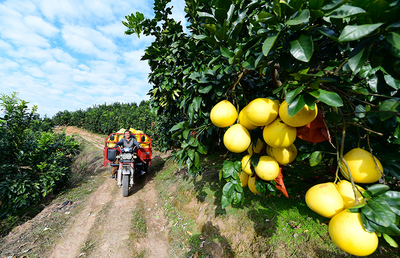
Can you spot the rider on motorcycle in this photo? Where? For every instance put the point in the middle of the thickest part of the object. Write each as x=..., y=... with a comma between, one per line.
x=127, y=142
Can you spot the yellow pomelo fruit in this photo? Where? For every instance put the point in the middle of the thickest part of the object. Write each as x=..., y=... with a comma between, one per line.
x=237, y=138
x=304, y=116
x=262, y=111
x=246, y=164
x=346, y=191
x=347, y=232
x=252, y=185
x=324, y=199
x=267, y=168
x=223, y=114
x=256, y=149
x=284, y=155
x=244, y=178
x=278, y=134
x=243, y=120
x=362, y=166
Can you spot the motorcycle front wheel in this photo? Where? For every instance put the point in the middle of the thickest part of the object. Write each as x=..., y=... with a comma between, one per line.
x=125, y=185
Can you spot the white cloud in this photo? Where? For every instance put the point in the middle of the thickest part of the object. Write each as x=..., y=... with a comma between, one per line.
x=88, y=41
x=38, y=25
x=6, y=64
x=73, y=54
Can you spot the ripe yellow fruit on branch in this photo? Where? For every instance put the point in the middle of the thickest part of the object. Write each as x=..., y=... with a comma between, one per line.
x=223, y=114
x=278, y=134
x=262, y=111
x=324, y=199
x=243, y=120
x=362, y=166
x=252, y=185
x=346, y=191
x=237, y=138
x=257, y=148
x=347, y=232
x=246, y=164
x=284, y=155
x=303, y=117
x=267, y=168
x=244, y=178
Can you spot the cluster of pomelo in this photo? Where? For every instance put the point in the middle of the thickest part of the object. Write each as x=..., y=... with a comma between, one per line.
x=332, y=201
x=278, y=130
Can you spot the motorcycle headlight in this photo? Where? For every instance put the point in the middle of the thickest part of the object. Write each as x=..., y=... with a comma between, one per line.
x=126, y=155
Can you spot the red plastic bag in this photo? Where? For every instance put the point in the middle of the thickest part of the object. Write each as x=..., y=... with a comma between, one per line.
x=316, y=131
x=280, y=185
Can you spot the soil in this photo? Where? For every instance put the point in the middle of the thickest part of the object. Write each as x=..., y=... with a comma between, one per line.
x=102, y=227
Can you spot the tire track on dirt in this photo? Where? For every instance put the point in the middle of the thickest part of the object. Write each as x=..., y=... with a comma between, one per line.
x=106, y=231
x=75, y=235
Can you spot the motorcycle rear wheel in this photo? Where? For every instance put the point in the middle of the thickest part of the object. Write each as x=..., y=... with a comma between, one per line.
x=125, y=185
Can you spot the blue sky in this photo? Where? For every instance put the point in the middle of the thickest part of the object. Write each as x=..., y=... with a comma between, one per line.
x=73, y=54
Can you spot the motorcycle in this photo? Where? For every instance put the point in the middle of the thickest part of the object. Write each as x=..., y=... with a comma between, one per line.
x=130, y=166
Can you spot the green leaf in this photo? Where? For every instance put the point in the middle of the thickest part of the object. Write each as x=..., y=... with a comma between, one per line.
x=390, y=241
x=302, y=49
x=383, y=210
x=392, y=82
x=177, y=126
x=197, y=103
x=296, y=105
x=373, y=83
x=201, y=148
x=228, y=189
x=394, y=39
x=388, y=106
x=315, y=158
x=225, y=202
x=328, y=97
x=391, y=230
x=291, y=95
x=190, y=153
x=207, y=15
x=196, y=160
x=186, y=133
x=276, y=7
x=265, y=17
x=205, y=90
x=360, y=111
x=269, y=43
x=212, y=28
x=377, y=189
x=392, y=197
x=301, y=17
x=355, y=32
x=228, y=169
x=366, y=224
x=345, y=11
x=227, y=53
x=316, y=4
x=375, y=217
x=332, y=4
x=359, y=56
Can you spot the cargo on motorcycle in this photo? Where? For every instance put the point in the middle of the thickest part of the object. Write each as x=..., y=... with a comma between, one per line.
x=128, y=153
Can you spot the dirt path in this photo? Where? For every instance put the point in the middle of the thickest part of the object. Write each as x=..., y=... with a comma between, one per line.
x=104, y=227
x=105, y=224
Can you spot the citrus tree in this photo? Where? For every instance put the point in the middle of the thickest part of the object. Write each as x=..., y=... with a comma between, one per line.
x=340, y=58
x=108, y=118
x=35, y=161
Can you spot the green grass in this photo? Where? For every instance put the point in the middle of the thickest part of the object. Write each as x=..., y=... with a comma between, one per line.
x=272, y=226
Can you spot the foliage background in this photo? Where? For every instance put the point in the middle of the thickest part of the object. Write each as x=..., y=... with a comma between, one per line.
x=106, y=119
x=35, y=162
